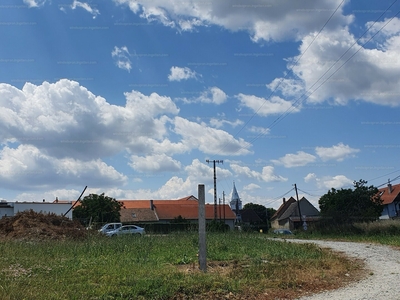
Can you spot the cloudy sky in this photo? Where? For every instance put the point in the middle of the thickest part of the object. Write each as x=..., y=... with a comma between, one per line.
x=132, y=97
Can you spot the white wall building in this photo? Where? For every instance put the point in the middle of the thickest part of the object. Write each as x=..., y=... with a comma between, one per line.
x=9, y=209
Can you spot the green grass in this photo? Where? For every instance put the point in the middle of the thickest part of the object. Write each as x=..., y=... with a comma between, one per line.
x=385, y=232
x=159, y=267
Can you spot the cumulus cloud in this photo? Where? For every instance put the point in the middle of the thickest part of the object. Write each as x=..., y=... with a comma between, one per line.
x=121, y=58
x=251, y=187
x=209, y=140
x=299, y=159
x=264, y=107
x=371, y=75
x=338, y=152
x=218, y=123
x=275, y=20
x=178, y=74
x=93, y=11
x=336, y=182
x=212, y=95
x=154, y=163
x=267, y=174
x=309, y=177
x=26, y=167
x=67, y=120
x=35, y=3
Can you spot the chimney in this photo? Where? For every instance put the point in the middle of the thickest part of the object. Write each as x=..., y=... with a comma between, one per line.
x=151, y=205
x=56, y=199
x=389, y=188
x=284, y=200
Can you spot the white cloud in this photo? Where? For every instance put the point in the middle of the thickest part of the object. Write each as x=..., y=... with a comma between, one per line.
x=295, y=160
x=338, y=152
x=266, y=175
x=275, y=20
x=259, y=130
x=35, y=3
x=66, y=120
x=371, y=75
x=251, y=187
x=26, y=167
x=178, y=74
x=309, y=177
x=93, y=11
x=264, y=107
x=212, y=95
x=209, y=140
x=336, y=182
x=121, y=57
x=218, y=123
x=154, y=163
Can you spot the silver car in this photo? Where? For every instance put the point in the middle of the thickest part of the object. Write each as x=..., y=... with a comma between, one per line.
x=127, y=230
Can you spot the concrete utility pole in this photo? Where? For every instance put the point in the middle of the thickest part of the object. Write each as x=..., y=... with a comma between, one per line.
x=298, y=205
x=223, y=201
x=215, y=185
x=202, y=229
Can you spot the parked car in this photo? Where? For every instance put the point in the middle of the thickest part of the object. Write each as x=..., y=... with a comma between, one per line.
x=127, y=230
x=283, y=231
x=109, y=227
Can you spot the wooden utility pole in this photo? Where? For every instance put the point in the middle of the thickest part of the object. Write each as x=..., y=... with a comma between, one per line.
x=298, y=205
x=215, y=184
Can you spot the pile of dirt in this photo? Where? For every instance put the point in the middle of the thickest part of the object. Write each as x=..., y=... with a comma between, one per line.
x=34, y=226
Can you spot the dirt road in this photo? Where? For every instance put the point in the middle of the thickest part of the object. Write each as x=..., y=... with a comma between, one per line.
x=383, y=281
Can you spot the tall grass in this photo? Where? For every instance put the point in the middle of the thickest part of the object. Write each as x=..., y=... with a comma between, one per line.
x=161, y=267
x=385, y=232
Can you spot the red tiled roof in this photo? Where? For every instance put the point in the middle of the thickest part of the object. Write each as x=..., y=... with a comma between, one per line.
x=389, y=198
x=146, y=203
x=189, y=211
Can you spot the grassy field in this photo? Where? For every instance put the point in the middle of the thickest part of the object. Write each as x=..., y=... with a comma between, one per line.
x=385, y=232
x=240, y=266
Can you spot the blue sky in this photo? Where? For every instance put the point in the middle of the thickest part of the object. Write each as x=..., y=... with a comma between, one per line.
x=132, y=97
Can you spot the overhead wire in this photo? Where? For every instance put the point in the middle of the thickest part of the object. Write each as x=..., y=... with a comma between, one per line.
x=290, y=70
x=299, y=101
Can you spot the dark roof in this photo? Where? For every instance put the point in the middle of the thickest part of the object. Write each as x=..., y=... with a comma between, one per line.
x=284, y=206
x=387, y=197
x=307, y=209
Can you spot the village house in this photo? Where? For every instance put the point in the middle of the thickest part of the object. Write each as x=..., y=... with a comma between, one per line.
x=167, y=211
x=390, y=196
x=287, y=216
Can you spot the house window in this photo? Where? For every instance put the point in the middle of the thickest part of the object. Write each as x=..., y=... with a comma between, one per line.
x=133, y=215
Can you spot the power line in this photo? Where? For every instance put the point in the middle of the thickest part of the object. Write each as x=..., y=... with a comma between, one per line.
x=290, y=70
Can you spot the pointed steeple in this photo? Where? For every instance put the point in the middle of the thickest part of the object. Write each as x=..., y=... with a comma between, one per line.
x=236, y=203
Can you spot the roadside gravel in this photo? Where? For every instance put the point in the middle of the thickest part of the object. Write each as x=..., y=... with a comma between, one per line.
x=383, y=263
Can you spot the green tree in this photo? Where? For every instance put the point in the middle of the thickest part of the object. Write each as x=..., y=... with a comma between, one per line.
x=360, y=204
x=99, y=208
x=264, y=213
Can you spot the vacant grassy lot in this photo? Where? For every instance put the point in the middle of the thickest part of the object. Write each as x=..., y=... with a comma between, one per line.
x=240, y=266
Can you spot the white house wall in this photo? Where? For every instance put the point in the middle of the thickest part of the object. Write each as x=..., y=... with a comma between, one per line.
x=56, y=208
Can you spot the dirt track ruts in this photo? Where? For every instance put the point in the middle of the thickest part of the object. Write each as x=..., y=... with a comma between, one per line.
x=383, y=264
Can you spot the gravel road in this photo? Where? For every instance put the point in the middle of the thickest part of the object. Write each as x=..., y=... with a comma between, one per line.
x=383, y=263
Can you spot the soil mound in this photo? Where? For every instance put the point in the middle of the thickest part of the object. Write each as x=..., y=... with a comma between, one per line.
x=34, y=226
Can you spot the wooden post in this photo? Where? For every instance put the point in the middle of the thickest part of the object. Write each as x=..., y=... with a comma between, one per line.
x=202, y=229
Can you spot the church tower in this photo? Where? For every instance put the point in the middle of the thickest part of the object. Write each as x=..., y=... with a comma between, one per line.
x=236, y=203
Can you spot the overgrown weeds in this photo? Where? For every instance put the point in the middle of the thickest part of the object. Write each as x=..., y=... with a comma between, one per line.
x=240, y=266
